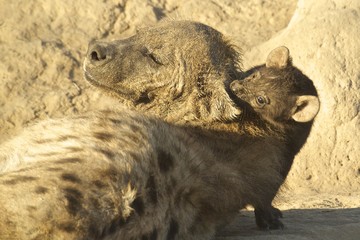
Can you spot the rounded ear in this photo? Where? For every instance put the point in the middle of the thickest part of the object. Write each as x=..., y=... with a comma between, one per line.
x=278, y=58
x=307, y=107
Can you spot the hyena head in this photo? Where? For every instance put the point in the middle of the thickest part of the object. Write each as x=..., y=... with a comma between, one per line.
x=278, y=92
x=168, y=68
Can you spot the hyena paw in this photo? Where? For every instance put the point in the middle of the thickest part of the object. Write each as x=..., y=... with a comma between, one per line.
x=268, y=219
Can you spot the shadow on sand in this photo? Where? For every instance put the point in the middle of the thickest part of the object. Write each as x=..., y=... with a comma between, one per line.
x=300, y=224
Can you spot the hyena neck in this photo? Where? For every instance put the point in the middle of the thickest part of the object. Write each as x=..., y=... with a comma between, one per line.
x=213, y=110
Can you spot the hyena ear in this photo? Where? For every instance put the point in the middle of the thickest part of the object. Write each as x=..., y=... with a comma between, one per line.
x=278, y=58
x=307, y=107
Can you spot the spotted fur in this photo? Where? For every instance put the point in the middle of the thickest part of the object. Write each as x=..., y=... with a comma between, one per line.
x=124, y=175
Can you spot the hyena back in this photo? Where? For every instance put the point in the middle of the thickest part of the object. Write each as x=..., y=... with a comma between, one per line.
x=124, y=177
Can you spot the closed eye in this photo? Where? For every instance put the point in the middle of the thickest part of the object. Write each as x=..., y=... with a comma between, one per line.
x=147, y=53
x=155, y=59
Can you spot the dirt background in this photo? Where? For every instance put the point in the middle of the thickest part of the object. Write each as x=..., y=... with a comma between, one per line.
x=42, y=45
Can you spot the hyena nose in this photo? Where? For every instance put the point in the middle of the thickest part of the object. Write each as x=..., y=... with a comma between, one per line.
x=98, y=52
x=235, y=86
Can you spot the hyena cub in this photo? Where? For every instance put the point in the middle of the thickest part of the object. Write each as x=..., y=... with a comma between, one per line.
x=283, y=102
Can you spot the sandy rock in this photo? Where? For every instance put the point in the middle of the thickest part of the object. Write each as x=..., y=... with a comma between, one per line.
x=43, y=43
x=247, y=23
x=322, y=40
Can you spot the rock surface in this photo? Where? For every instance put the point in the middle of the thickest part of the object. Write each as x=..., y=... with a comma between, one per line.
x=42, y=45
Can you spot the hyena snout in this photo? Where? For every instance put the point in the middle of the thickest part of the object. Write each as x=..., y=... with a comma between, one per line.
x=99, y=52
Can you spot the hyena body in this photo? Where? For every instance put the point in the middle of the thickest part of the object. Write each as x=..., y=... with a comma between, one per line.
x=121, y=175
x=113, y=175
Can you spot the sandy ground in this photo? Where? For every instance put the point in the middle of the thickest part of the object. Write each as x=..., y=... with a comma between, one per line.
x=42, y=44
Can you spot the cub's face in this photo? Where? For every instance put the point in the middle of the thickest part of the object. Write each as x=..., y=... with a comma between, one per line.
x=278, y=91
x=268, y=92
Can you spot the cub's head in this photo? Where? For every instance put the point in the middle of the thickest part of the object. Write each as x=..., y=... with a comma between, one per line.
x=174, y=70
x=278, y=91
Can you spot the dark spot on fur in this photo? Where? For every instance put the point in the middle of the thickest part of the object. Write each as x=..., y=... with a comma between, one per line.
x=134, y=155
x=68, y=160
x=64, y=138
x=173, y=230
x=111, y=173
x=99, y=184
x=151, y=189
x=42, y=141
x=138, y=206
x=59, y=139
x=116, y=121
x=130, y=139
x=41, y=190
x=74, y=198
x=74, y=149
x=55, y=169
x=67, y=227
x=19, y=179
x=165, y=160
x=109, y=154
x=135, y=128
x=103, y=136
x=95, y=202
x=70, y=177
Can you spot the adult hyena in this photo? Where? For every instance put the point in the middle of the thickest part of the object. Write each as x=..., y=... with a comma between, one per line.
x=121, y=175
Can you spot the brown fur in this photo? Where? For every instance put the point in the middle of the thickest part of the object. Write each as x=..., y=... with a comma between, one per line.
x=121, y=175
x=176, y=71
x=188, y=48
